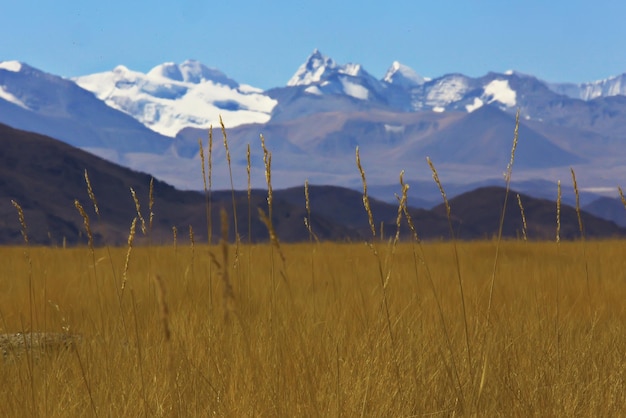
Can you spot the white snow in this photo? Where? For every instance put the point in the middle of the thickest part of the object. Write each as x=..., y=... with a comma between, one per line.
x=355, y=90
x=121, y=69
x=401, y=74
x=245, y=88
x=476, y=105
x=165, y=103
x=500, y=91
x=447, y=90
x=166, y=70
x=509, y=72
x=318, y=67
x=313, y=90
x=312, y=70
x=350, y=69
x=304, y=77
x=394, y=129
x=14, y=66
x=11, y=98
x=611, y=86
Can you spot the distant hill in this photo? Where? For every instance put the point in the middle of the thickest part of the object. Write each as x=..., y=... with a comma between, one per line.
x=45, y=176
x=608, y=208
x=478, y=213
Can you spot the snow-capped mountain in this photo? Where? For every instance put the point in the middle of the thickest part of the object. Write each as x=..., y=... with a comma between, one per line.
x=313, y=123
x=401, y=88
x=40, y=102
x=612, y=86
x=321, y=76
x=172, y=96
x=401, y=75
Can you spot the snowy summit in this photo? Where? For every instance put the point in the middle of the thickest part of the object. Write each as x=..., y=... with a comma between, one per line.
x=313, y=70
x=13, y=66
x=172, y=96
x=403, y=76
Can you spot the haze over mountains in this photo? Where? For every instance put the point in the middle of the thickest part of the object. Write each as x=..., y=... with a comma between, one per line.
x=45, y=176
x=152, y=122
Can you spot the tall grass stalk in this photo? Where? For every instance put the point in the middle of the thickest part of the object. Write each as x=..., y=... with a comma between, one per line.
x=458, y=269
x=401, y=205
x=207, y=183
x=523, y=215
x=31, y=299
x=94, y=264
x=307, y=219
x=621, y=195
x=249, y=192
x=581, y=229
x=268, y=219
x=229, y=295
x=366, y=201
x=129, y=248
x=207, y=180
x=307, y=224
x=94, y=201
x=142, y=221
x=150, y=207
x=232, y=189
x=249, y=196
x=557, y=278
x=507, y=178
x=267, y=160
x=383, y=278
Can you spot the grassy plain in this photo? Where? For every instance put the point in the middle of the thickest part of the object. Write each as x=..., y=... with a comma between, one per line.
x=335, y=330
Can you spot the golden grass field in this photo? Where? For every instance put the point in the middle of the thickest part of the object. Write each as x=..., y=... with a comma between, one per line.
x=312, y=336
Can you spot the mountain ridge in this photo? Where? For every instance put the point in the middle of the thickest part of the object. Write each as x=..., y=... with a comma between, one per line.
x=45, y=176
x=396, y=121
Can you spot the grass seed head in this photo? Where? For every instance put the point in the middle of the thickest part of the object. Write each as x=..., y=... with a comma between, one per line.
x=366, y=201
x=131, y=238
x=578, y=214
x=138, y=209
x=151, y=203
x=558, y=212
x=202, y=161
x=20, y=215
x=524, y=225
x=91, y=194
x=439, y=185
x=82, y=212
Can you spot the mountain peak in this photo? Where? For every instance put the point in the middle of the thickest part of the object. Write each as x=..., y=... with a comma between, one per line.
x=402, y=75
x=167, y=70
x=195, y=72
x=121, y=69
x=313, y=69
x=13, y=66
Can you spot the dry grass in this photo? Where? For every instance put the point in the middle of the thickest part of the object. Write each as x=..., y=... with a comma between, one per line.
x=322, y=350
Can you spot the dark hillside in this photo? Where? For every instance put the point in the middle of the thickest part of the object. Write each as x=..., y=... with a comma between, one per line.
x=478, y=213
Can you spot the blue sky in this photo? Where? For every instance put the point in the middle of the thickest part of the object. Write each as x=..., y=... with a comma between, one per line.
x=262, y=43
